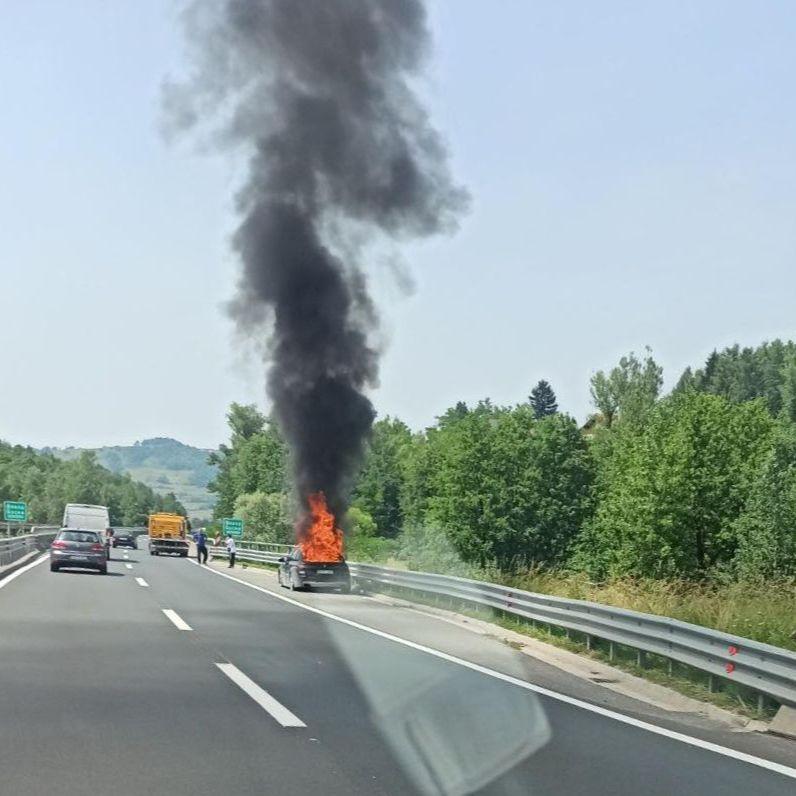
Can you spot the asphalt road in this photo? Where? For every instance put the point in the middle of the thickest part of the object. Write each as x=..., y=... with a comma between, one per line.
x=163, y=678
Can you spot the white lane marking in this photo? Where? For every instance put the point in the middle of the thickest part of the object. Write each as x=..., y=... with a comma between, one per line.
x=261, y=696
x=129, y=566
x=14, y=575
x=126, y=557
x=141, y=582
x=178, y=621
x=743, y=757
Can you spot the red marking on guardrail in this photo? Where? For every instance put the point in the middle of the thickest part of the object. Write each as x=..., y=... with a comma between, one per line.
x=733, y=650
x=730, y=667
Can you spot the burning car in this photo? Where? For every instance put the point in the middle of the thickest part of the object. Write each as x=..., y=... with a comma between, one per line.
x=296, y=573
x=317, y=560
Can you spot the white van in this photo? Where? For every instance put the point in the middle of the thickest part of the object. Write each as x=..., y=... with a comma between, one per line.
x=87, y=518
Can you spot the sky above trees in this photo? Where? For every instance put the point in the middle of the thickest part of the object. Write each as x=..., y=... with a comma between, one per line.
x=632, y=171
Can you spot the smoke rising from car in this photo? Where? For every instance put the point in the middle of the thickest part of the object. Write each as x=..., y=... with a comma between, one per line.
x=319, y=95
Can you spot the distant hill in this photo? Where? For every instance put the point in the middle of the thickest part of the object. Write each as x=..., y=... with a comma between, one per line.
x=164, y=464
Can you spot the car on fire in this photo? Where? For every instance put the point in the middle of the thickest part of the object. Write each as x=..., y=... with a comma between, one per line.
x=296, y=573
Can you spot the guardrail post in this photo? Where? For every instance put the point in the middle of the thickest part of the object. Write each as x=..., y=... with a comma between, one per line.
x=711, y=684
x=588, y=642
x=611, y=651
x=641, y=659
x=761, y=702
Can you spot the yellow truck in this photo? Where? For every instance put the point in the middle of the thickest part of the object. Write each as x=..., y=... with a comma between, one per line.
x=167, y=534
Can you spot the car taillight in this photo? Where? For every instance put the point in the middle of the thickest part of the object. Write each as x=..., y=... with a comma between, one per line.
x=98, y=547
x=58, y=544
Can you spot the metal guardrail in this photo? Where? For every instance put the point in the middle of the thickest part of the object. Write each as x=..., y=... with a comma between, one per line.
x=761, y=667
x=9, y=529
x=12, y=548
x=259, y=552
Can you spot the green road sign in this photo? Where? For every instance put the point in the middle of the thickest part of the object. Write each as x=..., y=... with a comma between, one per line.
x=15, y=511
x=232, y=526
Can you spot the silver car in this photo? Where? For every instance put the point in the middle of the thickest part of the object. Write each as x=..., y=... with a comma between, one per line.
x=76, y=548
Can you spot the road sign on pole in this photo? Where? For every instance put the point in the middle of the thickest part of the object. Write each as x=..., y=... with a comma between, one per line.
x=232, y=526
x=15, y=511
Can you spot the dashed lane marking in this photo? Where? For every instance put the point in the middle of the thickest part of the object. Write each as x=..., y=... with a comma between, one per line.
x=270, y=705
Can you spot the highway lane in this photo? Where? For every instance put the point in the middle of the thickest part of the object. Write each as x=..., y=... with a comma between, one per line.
x=110, y=693
x=100, y=693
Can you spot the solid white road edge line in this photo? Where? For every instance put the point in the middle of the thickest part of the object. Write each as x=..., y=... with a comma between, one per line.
x=129, y=566
x=261, y=696
x=14, y=575
x=141, y=582
x=178, y=621
x=779, y=768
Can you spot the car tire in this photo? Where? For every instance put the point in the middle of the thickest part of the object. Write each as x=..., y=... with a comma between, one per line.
x=54, y=567
x=103, y=571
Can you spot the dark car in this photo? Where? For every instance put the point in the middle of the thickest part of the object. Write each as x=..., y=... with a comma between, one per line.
x=124, y=539
x=296, y=573
x=81, y=549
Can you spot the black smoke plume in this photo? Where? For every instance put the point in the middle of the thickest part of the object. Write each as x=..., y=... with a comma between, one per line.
x=319, y=92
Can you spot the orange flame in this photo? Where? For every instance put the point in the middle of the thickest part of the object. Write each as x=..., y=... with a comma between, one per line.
x=320, y=539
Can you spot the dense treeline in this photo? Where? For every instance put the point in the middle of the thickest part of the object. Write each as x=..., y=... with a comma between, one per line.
x=699, y=484
x=47, y=484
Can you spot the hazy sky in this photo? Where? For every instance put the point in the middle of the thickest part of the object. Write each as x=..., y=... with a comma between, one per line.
x=633, y=174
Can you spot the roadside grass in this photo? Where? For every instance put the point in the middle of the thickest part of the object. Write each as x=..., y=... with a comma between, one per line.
x=763, y=612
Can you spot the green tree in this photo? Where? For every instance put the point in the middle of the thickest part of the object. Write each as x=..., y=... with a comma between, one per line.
x=254, y=461
x=381, y=481
x=419, y=466
x=267, y=517
x=766, y=530
x=744, y=374
x=788, y=389
x=685, y=383
x=670, y=490
x=510, y=489
x=245, y=420
x=543, y=400
x=47, y=484
x=629, y=391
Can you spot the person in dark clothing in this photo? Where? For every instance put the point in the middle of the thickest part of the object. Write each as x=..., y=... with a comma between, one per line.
x=200, y=537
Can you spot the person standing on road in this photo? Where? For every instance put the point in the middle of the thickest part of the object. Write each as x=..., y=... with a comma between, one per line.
x=231, y=549
x=200, y=537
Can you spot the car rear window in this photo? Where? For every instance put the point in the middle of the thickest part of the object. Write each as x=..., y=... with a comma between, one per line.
x=78, y=536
